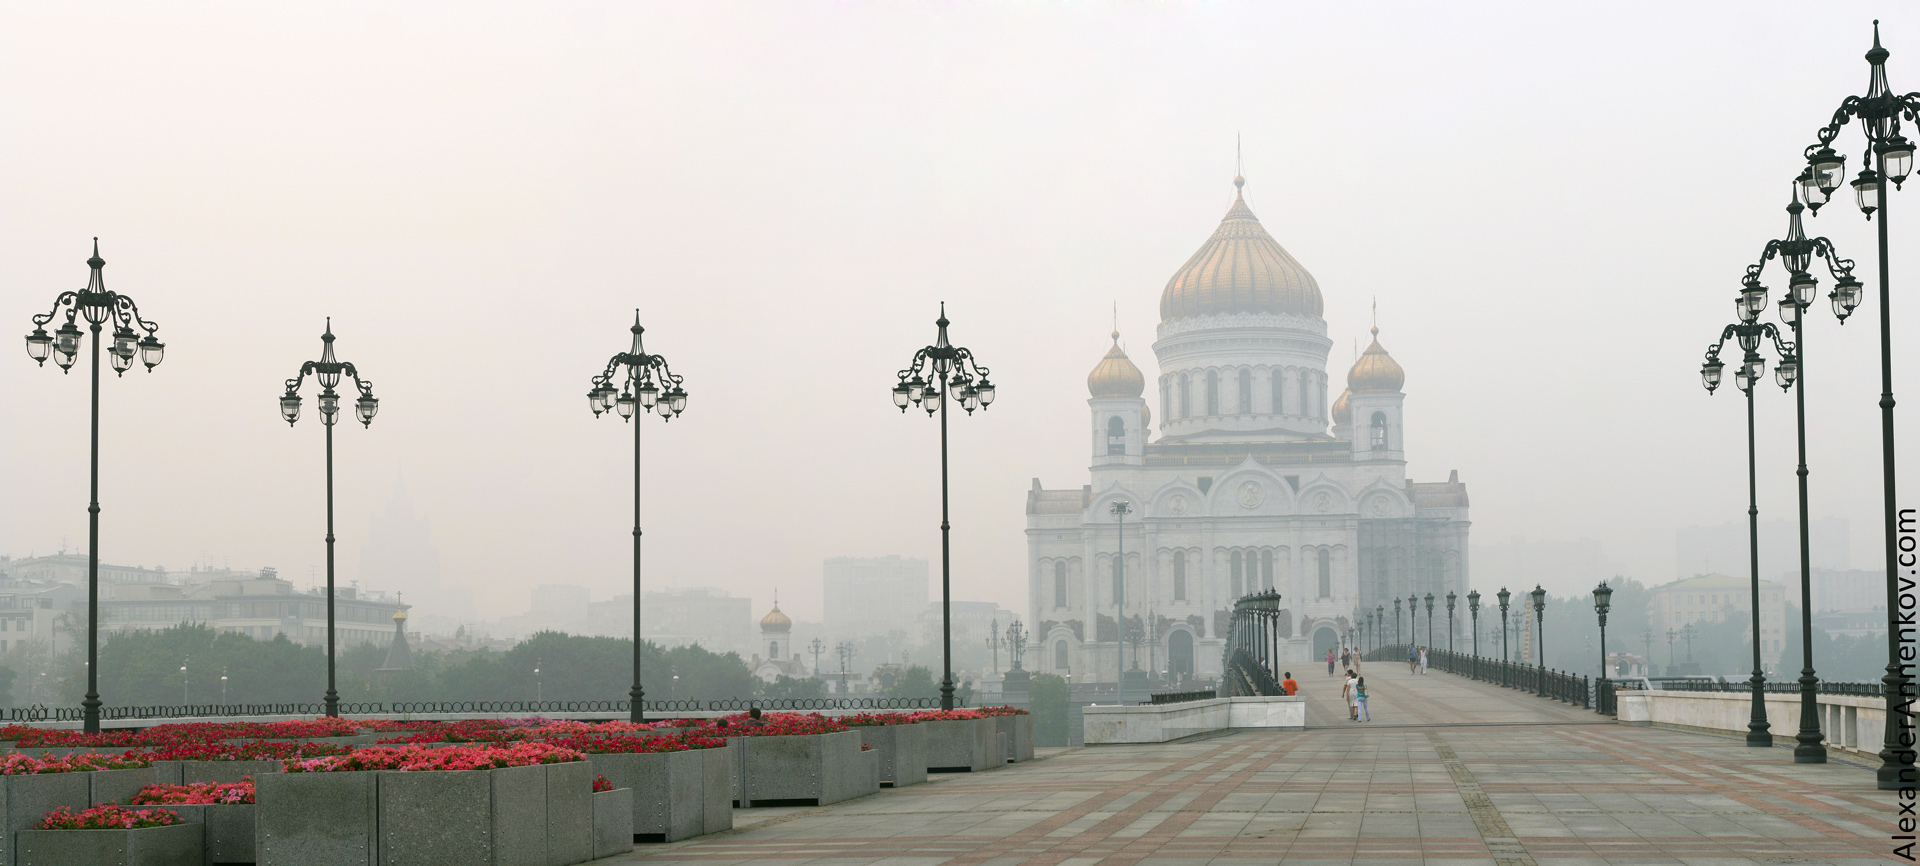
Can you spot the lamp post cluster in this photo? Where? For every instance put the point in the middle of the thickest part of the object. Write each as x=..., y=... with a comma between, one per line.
x=1888, y=158
x=937, y=374
x=1257, y=621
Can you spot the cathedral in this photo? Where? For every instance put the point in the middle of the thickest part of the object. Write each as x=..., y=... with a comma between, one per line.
x=1245, y=488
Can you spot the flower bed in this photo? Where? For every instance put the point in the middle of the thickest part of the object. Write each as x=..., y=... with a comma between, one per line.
x=600, y=745
x=107, y=817
x=497, y=731
x=601, y=784
x=415, y=758
x=867, y=720
x=26, y=765
x=195, y=794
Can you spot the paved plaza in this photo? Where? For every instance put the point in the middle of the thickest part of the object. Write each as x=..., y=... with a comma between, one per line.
x=1451, y=771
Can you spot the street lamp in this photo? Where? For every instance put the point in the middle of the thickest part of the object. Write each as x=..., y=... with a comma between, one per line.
x=327, y=371
x=1503, y=595
x=1602, y=600
x=1380, y=623
x=98, y=307
x=1396, y=621
x=183, y=679
x=223, y=685
x=539, y=693
x=1429, y=643
x=937, y=372
x=649, y=386
x=993, y=643
x=1749, y=333
x=1540, y=629
x=1120, y=509
x=1473, y=614
x=1016, y=642
x=1879, y=113
x=1450, y=629
x=1671, y=634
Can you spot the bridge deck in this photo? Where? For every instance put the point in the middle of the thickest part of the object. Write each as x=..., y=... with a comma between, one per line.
x=1453, y=771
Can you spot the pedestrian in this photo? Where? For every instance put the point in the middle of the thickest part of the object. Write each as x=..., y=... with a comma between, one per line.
x=1288, y=684
x=1351, y=694
x=1329, y=662
x=1413, y=659
x=1346, y=658
x=1423, y=660
x=1360, y=694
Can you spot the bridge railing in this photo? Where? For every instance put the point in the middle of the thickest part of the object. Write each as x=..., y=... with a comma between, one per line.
x=1183, y=697
x=612, y=709
x=1559, y=685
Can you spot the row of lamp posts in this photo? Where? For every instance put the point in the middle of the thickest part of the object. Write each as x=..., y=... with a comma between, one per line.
x=633, y=382
x=1889, y=157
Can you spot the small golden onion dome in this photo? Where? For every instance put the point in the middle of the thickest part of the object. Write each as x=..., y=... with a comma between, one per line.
x=775, y=620
x=1116, y=376
x=1376, y=370
x=1241, y=269
x=1342, y=413
x=400, y=613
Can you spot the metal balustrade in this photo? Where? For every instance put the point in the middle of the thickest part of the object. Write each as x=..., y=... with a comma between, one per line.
x=1183, y=697
x=420, y=708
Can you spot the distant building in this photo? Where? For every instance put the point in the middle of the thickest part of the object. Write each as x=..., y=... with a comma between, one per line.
x=1850, y=590
x=776, y=632
x=709, y=617
x=1725, y=548
x=863, y=597
x=72, y=568
x=261, y=606
x=1716, y=597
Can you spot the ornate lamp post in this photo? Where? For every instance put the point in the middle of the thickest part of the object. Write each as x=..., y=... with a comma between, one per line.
x=1413, y=619
x=327, y=371
x=1879, y=113
x=1380, y=621
x=1120, y=509
x=1429, y=643
x=1671, y=634
x=1396, y=621
x=1749, y=331
x=649, y=386
x=1602, y=598
x=936, y=372
x=1450, y=628
x=1503, y=595
x=98, y=307
x=1540, y=628
x=1473, y=614
x=1016, y=642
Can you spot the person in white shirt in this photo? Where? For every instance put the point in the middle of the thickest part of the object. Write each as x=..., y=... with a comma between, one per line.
x=1351, y=694
x=1423, y=660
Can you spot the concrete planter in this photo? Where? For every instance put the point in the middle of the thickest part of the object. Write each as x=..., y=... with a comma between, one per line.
x=668, y=790
x=118, y=786
x=226, y=830
x=813, y=769
x=436, y=817
x=902, y=750
x=962, y=746
x=175, y=845
x=24, y=800
x=870, y=765
x=612, y=822
x=316, y=819
x=1019, y=731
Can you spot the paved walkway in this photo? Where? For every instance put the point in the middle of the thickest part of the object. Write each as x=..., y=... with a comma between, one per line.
x=1452, y=771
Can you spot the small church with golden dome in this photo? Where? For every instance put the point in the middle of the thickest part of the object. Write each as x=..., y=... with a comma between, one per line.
x=1255, y=481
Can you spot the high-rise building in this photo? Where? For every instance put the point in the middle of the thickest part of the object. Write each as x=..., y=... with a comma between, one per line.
x=873, y=596
x=1245, y=489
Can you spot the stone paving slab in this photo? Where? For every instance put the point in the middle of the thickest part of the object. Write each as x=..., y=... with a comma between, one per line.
x=1454, y=772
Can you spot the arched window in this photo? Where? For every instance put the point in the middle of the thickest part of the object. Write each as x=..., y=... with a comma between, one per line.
x=1119, y=575
x=1059, y=583
x=1116, y=436
x=1279, y=382
x=1266, y=569
x=1246, y=392
x=1237, y=575
x=1060, y=655
x=1166, y=397
x=1377, y=436
x=1306, y=395
x=1179, y=575
x=1186, y=403
x=1213, y=392
x=773, y=650
x=1326, y=573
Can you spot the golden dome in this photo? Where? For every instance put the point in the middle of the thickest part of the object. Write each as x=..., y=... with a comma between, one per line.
x=775, y=620
x=1146, y=417
x=1376, y=370
x=1342, y=413
x=1116, y=376
x=1241, y=269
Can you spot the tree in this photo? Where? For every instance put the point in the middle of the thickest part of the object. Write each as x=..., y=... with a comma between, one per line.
x=785, y=686
x=914, y=683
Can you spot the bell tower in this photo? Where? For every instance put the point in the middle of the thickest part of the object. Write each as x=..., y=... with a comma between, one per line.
x=1120, y=416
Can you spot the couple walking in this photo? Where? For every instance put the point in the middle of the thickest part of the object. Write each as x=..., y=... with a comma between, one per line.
x=1349, y=660
x=1355, y=695
x=1416, y=660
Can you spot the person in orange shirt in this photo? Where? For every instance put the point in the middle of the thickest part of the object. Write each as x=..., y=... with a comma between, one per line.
x=1289, y=685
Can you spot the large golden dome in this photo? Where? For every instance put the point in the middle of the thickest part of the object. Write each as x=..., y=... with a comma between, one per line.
x=1241, y=269
x=1376, y=370
x=775, y=620
x=1343, y=413
x=1116, y=376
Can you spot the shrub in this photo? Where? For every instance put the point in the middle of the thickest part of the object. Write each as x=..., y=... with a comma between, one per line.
x=195, y=794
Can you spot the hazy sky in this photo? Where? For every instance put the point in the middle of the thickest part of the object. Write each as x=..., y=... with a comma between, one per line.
x=1552, y=207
